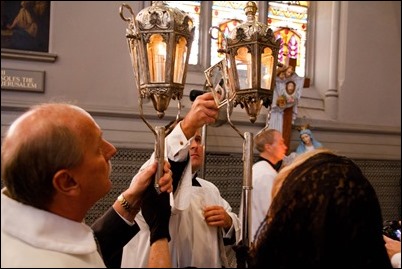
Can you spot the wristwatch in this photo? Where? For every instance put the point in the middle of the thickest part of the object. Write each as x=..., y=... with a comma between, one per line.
x=124, y=202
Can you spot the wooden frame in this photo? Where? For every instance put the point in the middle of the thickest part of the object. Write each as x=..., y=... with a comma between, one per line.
x=25, y=30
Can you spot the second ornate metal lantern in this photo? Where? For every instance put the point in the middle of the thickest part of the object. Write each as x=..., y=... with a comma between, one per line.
x=252, y=54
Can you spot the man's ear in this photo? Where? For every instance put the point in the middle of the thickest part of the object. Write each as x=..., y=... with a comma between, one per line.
x=64, y=182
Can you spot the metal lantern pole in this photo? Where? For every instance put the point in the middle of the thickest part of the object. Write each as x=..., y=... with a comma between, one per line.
x=159, y=40
x=251, y=56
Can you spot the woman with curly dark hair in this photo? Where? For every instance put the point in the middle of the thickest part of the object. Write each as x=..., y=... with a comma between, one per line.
x=324, y=213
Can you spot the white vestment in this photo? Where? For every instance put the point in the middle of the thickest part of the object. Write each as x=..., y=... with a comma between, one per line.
x=193, y=243
x=31, y=237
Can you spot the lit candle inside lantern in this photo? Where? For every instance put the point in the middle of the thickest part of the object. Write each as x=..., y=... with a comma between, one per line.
x=160, y=62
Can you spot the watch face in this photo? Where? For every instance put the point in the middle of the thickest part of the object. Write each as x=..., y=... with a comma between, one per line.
x=122, y=201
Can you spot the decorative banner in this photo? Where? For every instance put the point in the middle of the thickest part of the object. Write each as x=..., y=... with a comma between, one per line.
x=22, y=80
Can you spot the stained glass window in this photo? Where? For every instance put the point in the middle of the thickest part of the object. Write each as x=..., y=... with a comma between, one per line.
x=226, y=15
x=193, y=8
x=288, y=19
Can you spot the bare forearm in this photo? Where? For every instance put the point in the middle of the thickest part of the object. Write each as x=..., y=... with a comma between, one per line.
x=159, y=255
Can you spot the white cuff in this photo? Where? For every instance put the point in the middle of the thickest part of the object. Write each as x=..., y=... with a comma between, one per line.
x=396, y=260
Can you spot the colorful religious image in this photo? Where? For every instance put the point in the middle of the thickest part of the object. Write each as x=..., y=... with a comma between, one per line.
x=25, y=25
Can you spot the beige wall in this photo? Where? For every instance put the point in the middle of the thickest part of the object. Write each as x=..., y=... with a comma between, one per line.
x=354, y=102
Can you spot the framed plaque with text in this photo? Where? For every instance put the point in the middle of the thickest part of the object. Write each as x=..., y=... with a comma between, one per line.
x=22, y=80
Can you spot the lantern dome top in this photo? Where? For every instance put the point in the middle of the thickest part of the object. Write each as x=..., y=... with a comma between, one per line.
x=163, y=17
x=252, y=30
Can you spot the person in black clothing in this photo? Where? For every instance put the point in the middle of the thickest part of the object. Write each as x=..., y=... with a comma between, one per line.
x=324, y=213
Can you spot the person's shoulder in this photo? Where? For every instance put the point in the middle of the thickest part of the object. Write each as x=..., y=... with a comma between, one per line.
x=206, y=184
x=262, y=164
x=263, y=170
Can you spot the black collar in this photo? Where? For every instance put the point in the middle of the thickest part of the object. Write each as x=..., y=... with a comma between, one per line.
x=195, y=182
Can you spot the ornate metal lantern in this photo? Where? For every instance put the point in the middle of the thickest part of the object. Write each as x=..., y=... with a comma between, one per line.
x=159, y=40
x=252, y=54
x=249, y=80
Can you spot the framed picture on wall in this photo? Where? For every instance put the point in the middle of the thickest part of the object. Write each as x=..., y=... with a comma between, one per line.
x=25, y=26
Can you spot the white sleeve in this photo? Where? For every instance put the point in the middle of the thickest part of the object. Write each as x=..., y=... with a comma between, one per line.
x=177, y=145
x=396, y=260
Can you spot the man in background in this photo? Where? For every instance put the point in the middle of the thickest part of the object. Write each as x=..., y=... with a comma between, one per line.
x=201, y=223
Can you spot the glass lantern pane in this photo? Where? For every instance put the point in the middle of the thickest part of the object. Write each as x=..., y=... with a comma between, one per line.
x=180, y=60
x=244, y=68
x=267, y=64
x=135, y=56
x=156, y=51
x=192, y=8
